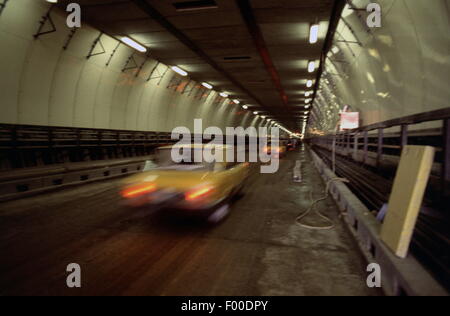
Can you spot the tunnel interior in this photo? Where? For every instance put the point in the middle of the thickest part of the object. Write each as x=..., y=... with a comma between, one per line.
x=92, y=91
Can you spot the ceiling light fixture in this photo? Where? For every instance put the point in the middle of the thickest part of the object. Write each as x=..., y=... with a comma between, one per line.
x=313, y=33
x=224, y=94
x=236, y=101
x=311, y=66
x=245, y=107
x=309, y=83
x=207, y=85
x=132, y=43
x=179, y=71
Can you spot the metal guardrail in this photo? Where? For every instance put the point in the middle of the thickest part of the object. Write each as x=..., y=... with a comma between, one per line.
x=358, y=143
x=23, y=146
x=32, y=181
x=371, y=159
x=399, y=276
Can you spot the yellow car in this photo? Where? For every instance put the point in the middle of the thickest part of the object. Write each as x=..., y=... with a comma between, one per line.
x=202, y=189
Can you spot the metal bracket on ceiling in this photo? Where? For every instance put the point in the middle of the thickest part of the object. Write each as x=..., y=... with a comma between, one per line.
x=162, y=76
x=360, y=16
x=69, y=38
x=141, y=67
x=174, y=82
x=353, y=33
x=200, y=92
x=338, y=61
x=43, y=22
x=131, y=58
x=353, y=7
x=349, y=42
x=217, y=99
x=193, y=89
x=153, y=70
x=185, y=90
x=159, y=75
x=2, y=6
x=94, y=45
x=113, y=53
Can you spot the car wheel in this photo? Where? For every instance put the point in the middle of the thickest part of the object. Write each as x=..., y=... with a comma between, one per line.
x=219, y=214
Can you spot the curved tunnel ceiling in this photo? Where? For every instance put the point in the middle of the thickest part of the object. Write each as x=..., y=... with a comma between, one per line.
x=266, y=68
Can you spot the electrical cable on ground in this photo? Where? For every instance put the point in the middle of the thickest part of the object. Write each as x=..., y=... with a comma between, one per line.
x=314, y=202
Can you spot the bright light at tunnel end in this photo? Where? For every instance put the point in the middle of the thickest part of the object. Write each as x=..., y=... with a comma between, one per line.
x=239, y=141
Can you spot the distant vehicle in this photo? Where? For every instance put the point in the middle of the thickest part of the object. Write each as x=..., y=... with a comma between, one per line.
x=192, y=188
x=276, y=151
x=291, y=144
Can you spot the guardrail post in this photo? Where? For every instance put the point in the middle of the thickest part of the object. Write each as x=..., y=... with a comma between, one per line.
x=355, y=146
x=445, y=177
x=380, y=146
x=403, y=137
x=349, y=138
x=366, y=146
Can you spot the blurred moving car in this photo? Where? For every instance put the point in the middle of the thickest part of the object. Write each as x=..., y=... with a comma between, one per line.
x=278, y=151
x=194, y=188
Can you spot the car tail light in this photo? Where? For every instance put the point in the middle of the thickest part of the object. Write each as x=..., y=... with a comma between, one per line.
x=198, y=193
x=138, y=190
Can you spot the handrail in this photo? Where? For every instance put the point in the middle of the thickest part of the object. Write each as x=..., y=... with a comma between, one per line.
x=352, y=140
x=436, y=115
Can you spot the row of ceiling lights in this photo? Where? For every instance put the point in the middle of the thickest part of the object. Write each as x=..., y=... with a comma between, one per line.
x=140, y=48
x=313, y=38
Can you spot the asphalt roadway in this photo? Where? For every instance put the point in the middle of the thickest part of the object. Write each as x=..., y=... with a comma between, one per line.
x=258, y=250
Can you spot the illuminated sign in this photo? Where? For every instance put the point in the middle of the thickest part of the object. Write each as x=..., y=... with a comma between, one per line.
x=349, y=120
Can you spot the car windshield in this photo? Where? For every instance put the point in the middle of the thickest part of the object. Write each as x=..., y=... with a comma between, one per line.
x=164, y=161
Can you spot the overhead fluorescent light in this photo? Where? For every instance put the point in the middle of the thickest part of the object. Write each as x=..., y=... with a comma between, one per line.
x=263, y=117
x=256, y=113
x=236, y=101
x=52, y=1
x=307, y=101
x=307, y=94
x=245, y=107
x=207, y=85
x=179, y=71
x=309, y=83
x=223, y=94
x=311, y=66
x=313, y=33
x=132, y=43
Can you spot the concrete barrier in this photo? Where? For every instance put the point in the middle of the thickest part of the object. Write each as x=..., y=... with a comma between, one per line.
x=31, y=181
x=399, y=276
